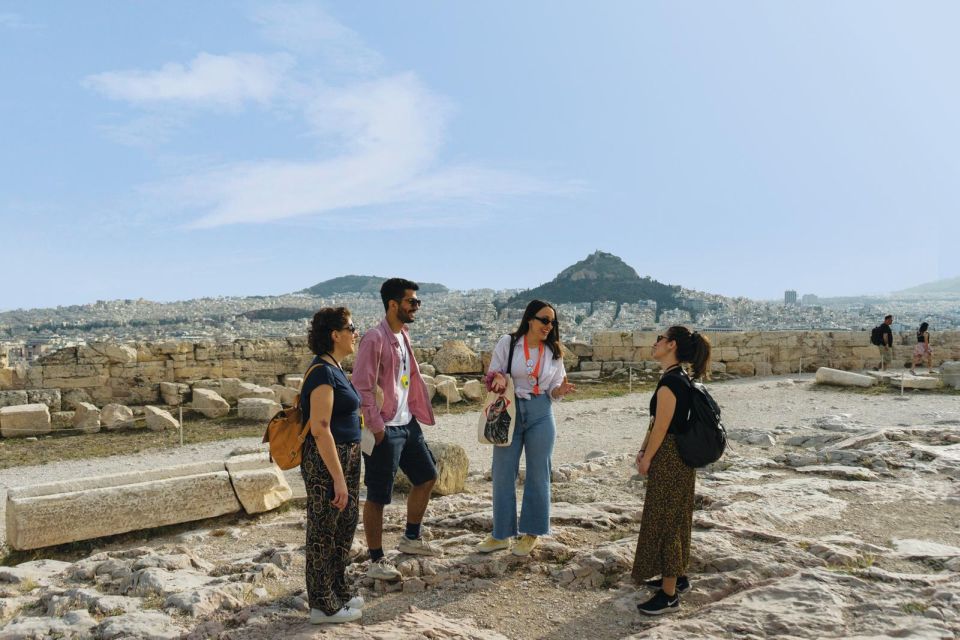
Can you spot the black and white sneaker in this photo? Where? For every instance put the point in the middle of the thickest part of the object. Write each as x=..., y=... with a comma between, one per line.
x=660, y=603
x=683, y=584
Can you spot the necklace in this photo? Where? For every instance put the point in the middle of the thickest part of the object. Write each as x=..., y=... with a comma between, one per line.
x=533, y=372
x=335, y=361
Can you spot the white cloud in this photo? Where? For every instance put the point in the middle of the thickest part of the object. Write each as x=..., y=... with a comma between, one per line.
x=307, y=29
x=208, y=80
x=15, y=21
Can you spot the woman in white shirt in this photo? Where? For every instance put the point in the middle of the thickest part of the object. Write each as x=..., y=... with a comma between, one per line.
x=539, y=378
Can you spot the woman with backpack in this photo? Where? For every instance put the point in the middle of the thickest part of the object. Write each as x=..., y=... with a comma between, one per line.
x=922, y=349
x=533, y=357
x=331, y=467
x=663, y=547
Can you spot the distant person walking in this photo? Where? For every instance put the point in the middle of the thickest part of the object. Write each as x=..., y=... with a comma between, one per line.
x=922, y=349
x=331, y=467
x=533, y=356
x=663, y=546
x=385, y=362
x=884, y=335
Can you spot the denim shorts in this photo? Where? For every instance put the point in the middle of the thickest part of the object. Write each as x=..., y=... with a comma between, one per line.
x=404, y=448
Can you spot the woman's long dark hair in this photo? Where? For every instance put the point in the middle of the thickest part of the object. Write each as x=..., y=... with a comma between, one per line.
x=923, y=327
x=553, y=340
x=693, y=348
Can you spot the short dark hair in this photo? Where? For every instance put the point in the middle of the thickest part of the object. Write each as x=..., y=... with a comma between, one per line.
x=324, y=322
x=394, y=288
x=888, y=317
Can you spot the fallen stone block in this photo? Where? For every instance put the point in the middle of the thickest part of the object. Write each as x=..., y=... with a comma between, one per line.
x=258, y=482
x=12, y=398
x=174, y=393
x=917, y=382
x=825, y=375
x=474, y=390
x=284, y=395
x=111, y=504
x=260, y=409
x=160, y=420
x=448, y=389
x=249, y=390
x=453, y=465
x=49, y=397
x=25, y=420
x=86, y=417
x=950, y=372
x=209, y=403
x=456, y=357
x=116, y=416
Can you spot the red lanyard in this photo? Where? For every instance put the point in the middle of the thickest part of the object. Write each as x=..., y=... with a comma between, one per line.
x=534, y=375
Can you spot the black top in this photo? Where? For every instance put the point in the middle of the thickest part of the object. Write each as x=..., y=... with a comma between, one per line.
x=886, y=335
x=345, y=417
x=675, y=380
x=920, y=336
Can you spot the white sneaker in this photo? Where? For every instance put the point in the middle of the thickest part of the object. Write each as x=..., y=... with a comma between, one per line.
x=356, y=602
x=344, y=615
x=418, y=547
x=383, y=569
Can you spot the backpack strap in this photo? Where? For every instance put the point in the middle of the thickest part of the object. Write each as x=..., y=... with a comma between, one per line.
x=304, y=381
x=513, y=344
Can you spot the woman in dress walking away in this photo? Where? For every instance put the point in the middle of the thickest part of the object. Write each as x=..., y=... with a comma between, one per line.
x=922, y=349
x=663, y=547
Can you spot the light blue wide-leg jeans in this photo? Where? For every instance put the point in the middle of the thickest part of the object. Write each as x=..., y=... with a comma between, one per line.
x=534, y=436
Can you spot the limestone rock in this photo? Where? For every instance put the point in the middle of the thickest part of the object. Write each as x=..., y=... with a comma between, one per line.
x=259, y=409
x=453, y=465
x=116, y=416
x=49, y=397
x=61, y=420
x=160, y=420
x=284, y=395
x=825, y=375
x=107, y=505
x=71, y=397
x=209, y=403
x=173, y=393
x=448, y=389
x=294, y=381
x=918, y=382
x=950, y=372
x=474, y=390
x=456, y=357
x=147, y=625
x=12, y=398
x=86, y=417
x=259, y=484
x=427, y=369
x=73, y=624
x=248, y=390
x=114, y=353
x=25, y=420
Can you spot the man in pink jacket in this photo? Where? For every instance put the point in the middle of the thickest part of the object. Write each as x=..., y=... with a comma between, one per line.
x=385, y=359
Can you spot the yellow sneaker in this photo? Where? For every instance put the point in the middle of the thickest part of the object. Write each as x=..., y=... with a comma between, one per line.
x=491, y=544
x=525, y=545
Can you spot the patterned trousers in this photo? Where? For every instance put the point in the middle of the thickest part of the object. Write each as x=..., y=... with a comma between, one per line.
x=329, y=531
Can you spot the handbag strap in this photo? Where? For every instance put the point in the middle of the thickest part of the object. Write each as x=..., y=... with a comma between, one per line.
x=513, y=343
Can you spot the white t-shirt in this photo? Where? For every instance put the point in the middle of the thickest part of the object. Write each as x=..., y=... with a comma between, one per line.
x=551, y=372
x=403, y=415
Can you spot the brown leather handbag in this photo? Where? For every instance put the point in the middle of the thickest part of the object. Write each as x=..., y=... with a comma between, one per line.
x=285, y=433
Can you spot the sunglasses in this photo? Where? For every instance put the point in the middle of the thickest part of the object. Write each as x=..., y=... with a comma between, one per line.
x=352, y=328
x=413, y=302
x=545, y=321
x=659, y=338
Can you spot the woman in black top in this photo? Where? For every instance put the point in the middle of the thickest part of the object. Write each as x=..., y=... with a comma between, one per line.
x=331, y=467
x=922, y=349
x=663, y=548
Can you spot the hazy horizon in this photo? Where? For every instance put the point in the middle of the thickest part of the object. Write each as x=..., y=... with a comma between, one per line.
x=183, y=150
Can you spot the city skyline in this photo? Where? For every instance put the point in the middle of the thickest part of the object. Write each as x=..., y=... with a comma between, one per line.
x=180, y=151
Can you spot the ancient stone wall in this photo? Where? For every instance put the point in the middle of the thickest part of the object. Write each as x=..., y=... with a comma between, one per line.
x=131, y=373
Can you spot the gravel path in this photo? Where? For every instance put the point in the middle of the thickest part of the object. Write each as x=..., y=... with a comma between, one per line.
x=614, y=425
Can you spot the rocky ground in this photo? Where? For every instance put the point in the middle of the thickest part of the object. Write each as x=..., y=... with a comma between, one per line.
x=833, y=515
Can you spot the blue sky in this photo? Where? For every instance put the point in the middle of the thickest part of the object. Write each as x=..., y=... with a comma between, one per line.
x=184, y=149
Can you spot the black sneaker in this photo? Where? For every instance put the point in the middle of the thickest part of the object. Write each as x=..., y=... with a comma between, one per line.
x=683, y=584
x=660, y=603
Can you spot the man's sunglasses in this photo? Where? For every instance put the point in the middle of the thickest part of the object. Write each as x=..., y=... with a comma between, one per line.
x=545, y=321
x=413, y=302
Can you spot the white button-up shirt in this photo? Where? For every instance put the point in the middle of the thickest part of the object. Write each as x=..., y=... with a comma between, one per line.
x=551, y=375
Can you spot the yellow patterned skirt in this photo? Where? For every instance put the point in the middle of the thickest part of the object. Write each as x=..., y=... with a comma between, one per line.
x=663, y=547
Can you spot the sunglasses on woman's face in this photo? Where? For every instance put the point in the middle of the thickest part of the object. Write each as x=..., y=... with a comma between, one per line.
x=659, y=338
x=352, y=328
x=545, y=321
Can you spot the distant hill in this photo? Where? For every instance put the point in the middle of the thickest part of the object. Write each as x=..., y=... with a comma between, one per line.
x=601, y=276
x=948, y=285
x=362, y=284
x=277, y=314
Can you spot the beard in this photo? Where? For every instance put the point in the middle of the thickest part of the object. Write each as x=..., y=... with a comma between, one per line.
x=405, y=316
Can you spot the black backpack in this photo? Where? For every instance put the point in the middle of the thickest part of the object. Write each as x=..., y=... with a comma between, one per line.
x=876, y=336
x=705, y=439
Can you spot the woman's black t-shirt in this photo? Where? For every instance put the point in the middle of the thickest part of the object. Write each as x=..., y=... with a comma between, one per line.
x=345, y=418
x=675, y=380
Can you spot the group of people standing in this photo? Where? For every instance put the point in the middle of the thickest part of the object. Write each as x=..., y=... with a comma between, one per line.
x=386, y=401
